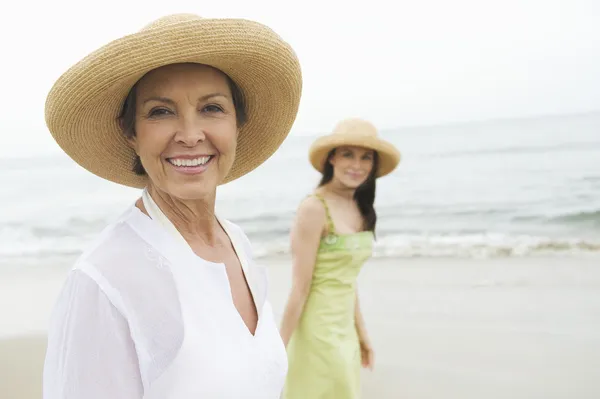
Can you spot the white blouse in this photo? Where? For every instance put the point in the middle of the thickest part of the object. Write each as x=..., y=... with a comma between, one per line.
x=142, y=316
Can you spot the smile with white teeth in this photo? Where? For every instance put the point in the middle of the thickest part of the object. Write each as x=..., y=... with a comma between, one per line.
x=189, y=162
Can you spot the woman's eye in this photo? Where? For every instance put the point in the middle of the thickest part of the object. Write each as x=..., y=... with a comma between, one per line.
x=212, y=108
x=348, y=154
x=156, y=112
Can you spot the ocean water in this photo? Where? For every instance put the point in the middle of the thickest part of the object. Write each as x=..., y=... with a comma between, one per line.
x=487, y=189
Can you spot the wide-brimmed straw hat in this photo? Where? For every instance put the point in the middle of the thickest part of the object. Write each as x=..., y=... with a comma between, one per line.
x=355, y=133
x=83, y=106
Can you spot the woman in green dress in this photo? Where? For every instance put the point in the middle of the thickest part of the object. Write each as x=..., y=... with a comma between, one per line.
x=331, y=239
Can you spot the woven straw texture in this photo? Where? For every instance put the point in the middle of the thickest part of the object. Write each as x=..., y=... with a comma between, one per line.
x=83, y=105
x=355, y=133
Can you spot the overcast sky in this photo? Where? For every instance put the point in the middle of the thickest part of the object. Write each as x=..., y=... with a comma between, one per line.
x=397, y=63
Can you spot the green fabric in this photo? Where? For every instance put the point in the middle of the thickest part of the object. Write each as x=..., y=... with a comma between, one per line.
x=324, y=351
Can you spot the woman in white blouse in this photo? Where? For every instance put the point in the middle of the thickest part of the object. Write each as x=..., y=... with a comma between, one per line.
x=167, y=302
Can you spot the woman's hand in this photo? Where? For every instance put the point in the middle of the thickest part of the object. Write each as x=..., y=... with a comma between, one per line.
x=367, y=355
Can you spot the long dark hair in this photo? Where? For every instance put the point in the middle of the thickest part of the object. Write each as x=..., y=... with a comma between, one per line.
x=364, y=196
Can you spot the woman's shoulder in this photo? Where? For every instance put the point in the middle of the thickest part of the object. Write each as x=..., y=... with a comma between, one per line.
x=125, y=248
x=312, y=207
x=129, y=269
x=117, y=236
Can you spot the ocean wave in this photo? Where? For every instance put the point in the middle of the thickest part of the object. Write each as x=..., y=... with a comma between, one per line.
x=65, y=238
x=482, y=246
x=409, y=231
x=593, y=179
x=74, y=226
x=396, y=219
x=429, y=210
x=458, y=246
x=471, y=245
x=578, y=217
x=399, y=237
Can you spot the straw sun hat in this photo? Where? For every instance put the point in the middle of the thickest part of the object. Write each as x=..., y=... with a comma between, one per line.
x=83, y=105
x=355, y=133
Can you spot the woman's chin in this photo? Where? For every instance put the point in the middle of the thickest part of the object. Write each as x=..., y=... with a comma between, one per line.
x=352, y=183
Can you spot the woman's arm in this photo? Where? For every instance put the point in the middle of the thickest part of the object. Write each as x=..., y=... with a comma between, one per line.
x=365, y=344
x=305, y=237
x=90, y=352
x=359, y=321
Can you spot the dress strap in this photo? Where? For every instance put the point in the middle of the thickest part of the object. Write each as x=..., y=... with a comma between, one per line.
x=330, y=224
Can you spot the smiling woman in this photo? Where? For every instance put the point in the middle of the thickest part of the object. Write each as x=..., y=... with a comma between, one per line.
x=129, y=110
x=167, y=302
x=181, y=119
x=332, y=238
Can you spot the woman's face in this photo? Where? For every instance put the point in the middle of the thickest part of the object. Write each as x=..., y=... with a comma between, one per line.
x=352, y=165
x=186, y=132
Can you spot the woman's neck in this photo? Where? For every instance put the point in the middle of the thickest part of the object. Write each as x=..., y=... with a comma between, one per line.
x=339, y=191
x=194, y=219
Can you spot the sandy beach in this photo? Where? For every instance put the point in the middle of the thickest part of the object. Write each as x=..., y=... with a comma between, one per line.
x=442, y=328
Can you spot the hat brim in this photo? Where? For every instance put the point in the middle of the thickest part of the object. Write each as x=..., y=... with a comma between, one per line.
x=83, y=105
x=389, y=156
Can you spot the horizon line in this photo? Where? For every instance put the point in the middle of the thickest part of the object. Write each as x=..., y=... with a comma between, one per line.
x=471, y=122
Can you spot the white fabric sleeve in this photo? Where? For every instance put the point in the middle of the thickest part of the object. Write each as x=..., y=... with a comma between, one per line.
x=90, y=353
